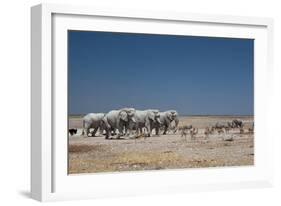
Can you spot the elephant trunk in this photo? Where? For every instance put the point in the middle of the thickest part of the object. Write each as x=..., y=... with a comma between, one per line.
x=133, y=119
x=158, y=120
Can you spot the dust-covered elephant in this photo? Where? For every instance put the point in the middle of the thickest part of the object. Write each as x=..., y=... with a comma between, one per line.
x=92, y=120
x=166, y=118
x=145, y=119
x=118, y=119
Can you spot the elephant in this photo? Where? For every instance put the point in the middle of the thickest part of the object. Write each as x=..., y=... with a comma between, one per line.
x=237, y=123
x=93, y=120
x=145, y=119
x=230, y=125
x=219, y=125
x=166, y=118
x=118, y=119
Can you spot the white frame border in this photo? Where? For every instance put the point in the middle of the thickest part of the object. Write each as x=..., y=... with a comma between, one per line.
x=42, y=85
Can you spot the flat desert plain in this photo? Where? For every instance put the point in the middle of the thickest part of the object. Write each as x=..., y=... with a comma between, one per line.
x=171, y=151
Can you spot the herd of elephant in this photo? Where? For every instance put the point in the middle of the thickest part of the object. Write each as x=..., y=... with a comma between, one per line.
x=126, y=120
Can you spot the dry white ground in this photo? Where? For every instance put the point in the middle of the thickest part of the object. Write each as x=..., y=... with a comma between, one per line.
x=96, y=154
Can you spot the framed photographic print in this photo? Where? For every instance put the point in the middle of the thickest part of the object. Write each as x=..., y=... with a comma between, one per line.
x=137, y=102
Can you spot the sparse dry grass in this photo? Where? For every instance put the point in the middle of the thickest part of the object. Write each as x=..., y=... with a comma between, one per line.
x=121, y=162
x=81, y=148
x=99, y=158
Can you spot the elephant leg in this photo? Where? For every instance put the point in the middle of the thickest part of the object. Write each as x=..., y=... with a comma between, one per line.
x=113, y=132
x=165, y=129
x=176, y=124
x=107, y=133
x=103, y=131
x=157, y=130
x=143, y=131
x=131, y=128
x=100, y=130
x=148, y=130
x=136, y=133
x=87, y=130
x=83, y=130
x=140, y=131
x=128, y=131
x=120, y=133
x=136, y=127
x=94, y=132
x=125, y=130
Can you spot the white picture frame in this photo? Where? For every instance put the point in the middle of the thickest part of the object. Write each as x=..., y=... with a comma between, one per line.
x=49, y=179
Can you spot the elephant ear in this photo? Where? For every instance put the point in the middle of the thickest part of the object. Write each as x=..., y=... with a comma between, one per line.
x=170, y=116
x=105, y=123
x=157, y=114
x=124, y=116
x=150, y=115
x=174, y=113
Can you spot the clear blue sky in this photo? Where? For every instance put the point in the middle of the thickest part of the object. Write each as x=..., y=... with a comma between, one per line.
x=194, y=75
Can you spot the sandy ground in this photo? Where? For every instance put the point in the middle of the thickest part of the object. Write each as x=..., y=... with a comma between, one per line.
x=96, y=154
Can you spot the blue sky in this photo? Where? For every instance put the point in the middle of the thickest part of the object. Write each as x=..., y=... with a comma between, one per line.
x=194, y=75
